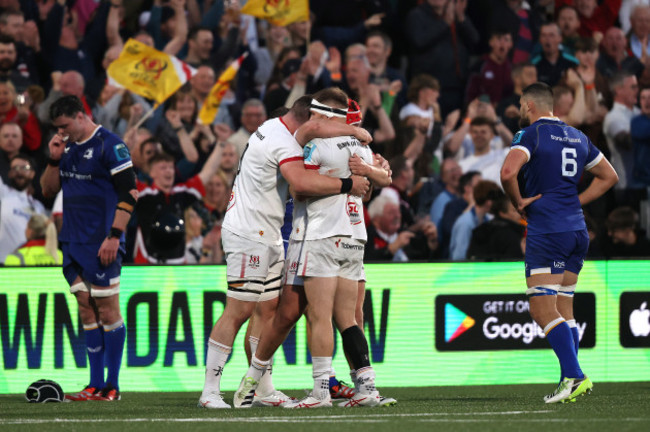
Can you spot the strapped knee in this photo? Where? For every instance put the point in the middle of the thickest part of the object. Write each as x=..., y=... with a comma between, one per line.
x=543, y=290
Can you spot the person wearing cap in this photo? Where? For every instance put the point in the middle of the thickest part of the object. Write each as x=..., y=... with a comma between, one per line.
x=42, y=244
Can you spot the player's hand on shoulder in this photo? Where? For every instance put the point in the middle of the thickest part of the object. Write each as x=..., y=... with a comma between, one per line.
x=360, y=185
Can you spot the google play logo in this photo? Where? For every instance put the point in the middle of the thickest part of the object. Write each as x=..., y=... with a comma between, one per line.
x=456, y=322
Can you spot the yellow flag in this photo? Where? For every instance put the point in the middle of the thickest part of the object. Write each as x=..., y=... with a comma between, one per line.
x=278, y=12
x=148, y=72
x=213, y=100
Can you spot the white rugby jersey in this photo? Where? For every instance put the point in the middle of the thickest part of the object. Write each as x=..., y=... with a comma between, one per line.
x=257, y=202
x=333, y=215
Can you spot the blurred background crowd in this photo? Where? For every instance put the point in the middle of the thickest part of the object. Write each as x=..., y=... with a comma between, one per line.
x=438, y=82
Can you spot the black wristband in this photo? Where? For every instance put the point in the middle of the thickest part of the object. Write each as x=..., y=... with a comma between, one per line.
x=52, y=162
x=115, y=233
x=346, y=185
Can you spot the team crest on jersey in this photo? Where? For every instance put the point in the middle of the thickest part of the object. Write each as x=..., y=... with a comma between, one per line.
x=88, y=154
x=293, y=268
x=307, y=151
x=517, y=137
x=254, y=261
x=261, y=233
x=231, y=201
x=121, y=152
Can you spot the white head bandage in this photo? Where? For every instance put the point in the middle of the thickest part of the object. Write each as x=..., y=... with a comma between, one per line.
x=327, y=111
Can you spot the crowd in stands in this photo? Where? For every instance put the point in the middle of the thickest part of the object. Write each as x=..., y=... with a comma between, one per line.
x=438, y=82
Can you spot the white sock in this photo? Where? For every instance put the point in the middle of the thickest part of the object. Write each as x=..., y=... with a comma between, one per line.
x=265, y=386
x=321, y=373
x=217, y=357
x=366, y=380
x=353, y=377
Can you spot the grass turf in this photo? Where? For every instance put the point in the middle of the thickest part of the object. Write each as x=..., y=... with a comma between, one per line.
x=612, y=406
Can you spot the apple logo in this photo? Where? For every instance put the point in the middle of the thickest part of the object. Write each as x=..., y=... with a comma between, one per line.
x=640, y=321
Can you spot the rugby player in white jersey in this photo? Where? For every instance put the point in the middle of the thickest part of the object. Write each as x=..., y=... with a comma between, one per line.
x=271, y=161
x=329, y=235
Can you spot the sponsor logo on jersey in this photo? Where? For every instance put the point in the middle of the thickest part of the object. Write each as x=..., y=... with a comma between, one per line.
x=351, y=246
x=254, y=261
x=100, y=276
x=88, y=154
x=351, y=143
x=66, y=150
x=121, y=152
x=517, y=137
x=353, y=212
x=259, y=135
x=307, y=151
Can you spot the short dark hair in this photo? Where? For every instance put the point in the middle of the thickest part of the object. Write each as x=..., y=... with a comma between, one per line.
x=67, y=106
x=300, y=108
x=466, y=179
x=420, y=82
x=540, y=93
x=622, y=218
x=486, y=190
x=481, y=121
x=332, y=95
x=585, y=44
x=398, y=165
x=161, y=157
x=23, y=156
x=388, y=43
x=6, y=39
x=195, y=31
x=500, y=203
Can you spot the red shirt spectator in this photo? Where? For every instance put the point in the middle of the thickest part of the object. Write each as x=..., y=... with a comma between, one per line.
x=594, y=18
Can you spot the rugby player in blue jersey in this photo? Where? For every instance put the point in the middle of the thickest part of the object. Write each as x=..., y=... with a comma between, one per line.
x=93, y=167
x=540, y=176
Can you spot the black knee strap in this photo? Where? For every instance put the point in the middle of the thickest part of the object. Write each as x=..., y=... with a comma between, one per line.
x=356, y=347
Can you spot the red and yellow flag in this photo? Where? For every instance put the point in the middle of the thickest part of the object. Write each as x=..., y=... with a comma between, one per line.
x=212, y=102
x=278, y=12
x=148, y=72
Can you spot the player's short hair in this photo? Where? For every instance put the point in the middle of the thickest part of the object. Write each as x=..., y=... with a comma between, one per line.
x=67, y=106
x=541, y=94
x=486, y=190
x=622, y=218
x=419, y=82
x=332, y=96
x=161, y=157
x=278, y=112
x=300, y=108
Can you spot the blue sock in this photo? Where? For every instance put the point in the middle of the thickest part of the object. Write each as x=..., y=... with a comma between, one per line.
x=575, y=333
x=561, y=339
x=333, y=382
x=114, y=340
x=95, y=351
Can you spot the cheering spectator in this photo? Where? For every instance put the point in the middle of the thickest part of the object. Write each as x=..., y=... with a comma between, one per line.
x=11, y=112
x=11, y=140
x=253, y=114
x=553, y=61
x=624, y=238
x=493, y=77
x=569, y=22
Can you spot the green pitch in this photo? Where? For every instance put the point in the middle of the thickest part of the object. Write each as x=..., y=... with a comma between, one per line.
x=612, y=406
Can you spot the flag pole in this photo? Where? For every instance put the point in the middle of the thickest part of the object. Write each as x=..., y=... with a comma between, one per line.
x=145, y=116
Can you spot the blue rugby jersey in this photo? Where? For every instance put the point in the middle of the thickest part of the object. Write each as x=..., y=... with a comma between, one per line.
x=89, y=197
x=557, y=156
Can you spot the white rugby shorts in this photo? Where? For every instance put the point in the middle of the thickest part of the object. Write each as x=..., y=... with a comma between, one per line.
x=332, y=257
x=253, y=269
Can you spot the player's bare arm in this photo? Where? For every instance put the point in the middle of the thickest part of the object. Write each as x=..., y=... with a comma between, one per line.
x=319, y=128
x=511, y=166
x=377, y=175
x=604, y=178
x=309, y=183
x=50, y=180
